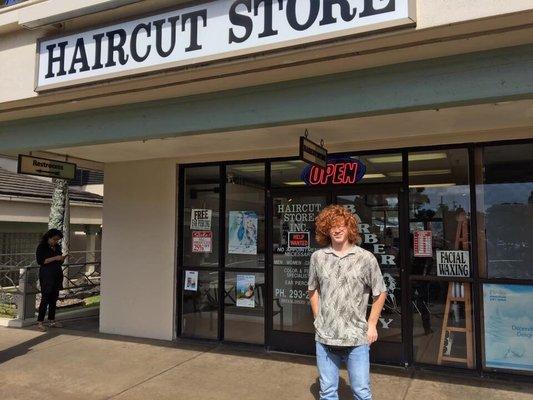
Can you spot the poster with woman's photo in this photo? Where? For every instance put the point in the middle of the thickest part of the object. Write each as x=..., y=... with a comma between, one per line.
x=191, y=281
x=245, y=291
x=242, y=232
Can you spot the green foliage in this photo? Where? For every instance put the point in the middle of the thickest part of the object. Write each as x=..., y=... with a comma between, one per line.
x=8, y=311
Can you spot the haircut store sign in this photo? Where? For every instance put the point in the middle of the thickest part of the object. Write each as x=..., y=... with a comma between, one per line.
x=205, y=32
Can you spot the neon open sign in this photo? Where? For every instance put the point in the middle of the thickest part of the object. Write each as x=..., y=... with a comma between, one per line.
x=345, y=171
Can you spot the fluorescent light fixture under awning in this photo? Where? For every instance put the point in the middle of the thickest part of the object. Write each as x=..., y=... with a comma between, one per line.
x=412, y=157
x=423, y=172
x=261, y=167
x=432, y=185
x=374, y=176
x=295, y=183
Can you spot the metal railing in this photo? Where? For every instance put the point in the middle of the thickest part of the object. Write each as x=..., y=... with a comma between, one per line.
x=20, y=291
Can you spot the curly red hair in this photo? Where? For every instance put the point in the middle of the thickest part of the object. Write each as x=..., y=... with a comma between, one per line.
x=335, y=215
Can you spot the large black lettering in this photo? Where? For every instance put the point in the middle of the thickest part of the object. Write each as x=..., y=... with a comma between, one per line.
x=240, y=20
x=347, y=14
x=60, y=59
x=98, y=51
x=118, y=48
x=133, y=42
x=268, y=29
x=313, y=14
x=159, y=36
x=193, y=17
x=370, y=10
x=81, y=58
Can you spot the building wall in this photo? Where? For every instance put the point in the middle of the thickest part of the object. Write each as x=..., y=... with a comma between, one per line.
x=138, y=249
x=15, y=209
x=435, y=19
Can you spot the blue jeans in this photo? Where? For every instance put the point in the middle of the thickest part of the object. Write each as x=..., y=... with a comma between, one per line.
x=358, y=362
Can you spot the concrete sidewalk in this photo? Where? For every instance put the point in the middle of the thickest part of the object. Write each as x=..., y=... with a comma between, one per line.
x=65, y=364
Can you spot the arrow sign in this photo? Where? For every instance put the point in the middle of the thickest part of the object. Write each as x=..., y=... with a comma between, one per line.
x=44, y=167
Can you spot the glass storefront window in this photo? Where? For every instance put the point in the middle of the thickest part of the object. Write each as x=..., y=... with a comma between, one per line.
x=442, y=323
x=244, y=307
x=508, y=326
x=377, y=217
x=439, y=213
x=201, y=217
x=245, y=216
x=504, y=197
x=200, y=306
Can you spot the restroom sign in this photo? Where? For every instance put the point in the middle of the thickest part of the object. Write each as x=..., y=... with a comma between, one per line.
x=28, y=165
x=453, y=263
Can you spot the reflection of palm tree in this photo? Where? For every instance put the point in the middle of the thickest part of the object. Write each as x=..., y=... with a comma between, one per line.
x=508, y=238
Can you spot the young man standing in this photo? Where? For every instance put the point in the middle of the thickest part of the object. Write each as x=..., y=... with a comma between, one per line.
x=341, y=278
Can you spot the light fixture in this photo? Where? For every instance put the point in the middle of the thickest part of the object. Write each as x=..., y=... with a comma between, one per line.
x=385, y=159
x=261, y=167
x=80, y=233
x=294, y=183
x=432, y=185
x=427, y=156
x=249, y=168
x=374, y=176
x=412, y=157
x=422, y=172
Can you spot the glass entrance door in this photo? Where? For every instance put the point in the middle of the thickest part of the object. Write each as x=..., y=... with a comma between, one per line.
x=293, y=242
x=377, y=213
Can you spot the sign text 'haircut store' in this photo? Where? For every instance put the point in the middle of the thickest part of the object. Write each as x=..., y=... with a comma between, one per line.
x=205, y=32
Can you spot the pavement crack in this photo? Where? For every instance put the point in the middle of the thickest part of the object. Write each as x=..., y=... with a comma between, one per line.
x=159, y=374
x=406, y=391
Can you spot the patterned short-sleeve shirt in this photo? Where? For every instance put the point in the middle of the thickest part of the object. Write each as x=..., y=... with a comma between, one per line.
x=344, y=285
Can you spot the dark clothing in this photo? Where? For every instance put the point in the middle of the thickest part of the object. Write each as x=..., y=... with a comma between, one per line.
x=48, y=299
x=50, y=279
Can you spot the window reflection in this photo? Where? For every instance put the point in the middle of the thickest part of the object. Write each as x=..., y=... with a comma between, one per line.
x=442, y=323
x=245, y=216
x=200, y=307
x=505, y=205
x=201, y=231
x=244, y=316
x=439, y=206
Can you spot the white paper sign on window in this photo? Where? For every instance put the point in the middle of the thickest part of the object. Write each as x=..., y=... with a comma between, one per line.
x=422, y=243
x=191, y=281
x=455, y=263
x=201, y=219
x=202, y=241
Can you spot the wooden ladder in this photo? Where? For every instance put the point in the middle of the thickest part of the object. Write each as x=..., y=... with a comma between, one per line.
x=458, y=293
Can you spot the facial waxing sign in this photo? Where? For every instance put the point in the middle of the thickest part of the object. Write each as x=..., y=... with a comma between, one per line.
x=205, y=32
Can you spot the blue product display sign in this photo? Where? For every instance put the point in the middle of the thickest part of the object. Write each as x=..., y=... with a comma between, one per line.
x=508, y=326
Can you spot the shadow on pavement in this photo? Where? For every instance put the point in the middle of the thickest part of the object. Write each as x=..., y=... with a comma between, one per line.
x=258, y=352
x=25, y=347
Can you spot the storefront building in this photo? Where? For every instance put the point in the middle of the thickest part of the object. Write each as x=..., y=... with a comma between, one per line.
x=447, y=225
x=427, y=114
